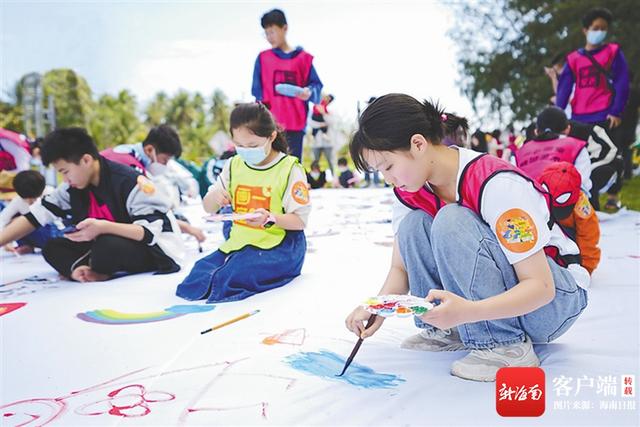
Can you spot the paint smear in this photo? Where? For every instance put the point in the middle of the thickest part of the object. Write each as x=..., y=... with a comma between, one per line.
x=327, y=365
x=113, y=317
x=290, y=336
x=6, y=308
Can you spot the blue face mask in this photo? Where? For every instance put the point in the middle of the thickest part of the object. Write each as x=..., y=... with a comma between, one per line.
x=596, y=37
x=252, y=156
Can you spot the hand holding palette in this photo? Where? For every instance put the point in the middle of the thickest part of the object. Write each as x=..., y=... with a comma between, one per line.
x=397, y=305
x=231, y=216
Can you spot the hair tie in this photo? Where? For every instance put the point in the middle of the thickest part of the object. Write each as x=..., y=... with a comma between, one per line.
x=443, y=117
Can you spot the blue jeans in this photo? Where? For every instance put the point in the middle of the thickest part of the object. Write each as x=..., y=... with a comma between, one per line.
x=226, y=225
x=221, y=277
x=458, y=252
x=40, y=236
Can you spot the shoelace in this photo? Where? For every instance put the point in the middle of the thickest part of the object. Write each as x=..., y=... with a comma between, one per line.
x=437, y=333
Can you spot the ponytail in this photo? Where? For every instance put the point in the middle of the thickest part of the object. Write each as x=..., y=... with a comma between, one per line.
x=450, y=124
x=390, y=121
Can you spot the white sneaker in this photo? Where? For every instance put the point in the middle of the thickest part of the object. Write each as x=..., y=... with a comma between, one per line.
x=482, y=365
x=434, y=340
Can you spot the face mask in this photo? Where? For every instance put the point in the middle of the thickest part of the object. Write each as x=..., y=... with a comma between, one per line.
x=596, y=37
x=342, y=168
x=252, y=156
x=314, y=174
x=157, y=169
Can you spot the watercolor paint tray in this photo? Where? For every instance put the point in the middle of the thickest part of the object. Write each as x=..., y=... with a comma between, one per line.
x=231, y=217
x=397, y=305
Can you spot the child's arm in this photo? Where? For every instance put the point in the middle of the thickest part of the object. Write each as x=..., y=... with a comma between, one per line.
x=256, y=85
x=17, y=229
x=535, y=289
x=315, y=86
x=218, y=196
x=587, y=234
x=215, y=199
x=396, y=282
x=91, y=228
x=565, y=86
x=287, y=221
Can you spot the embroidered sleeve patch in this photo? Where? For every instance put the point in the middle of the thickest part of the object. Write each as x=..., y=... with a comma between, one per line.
x=516, y=231
x=300, y=193
x=583, y=207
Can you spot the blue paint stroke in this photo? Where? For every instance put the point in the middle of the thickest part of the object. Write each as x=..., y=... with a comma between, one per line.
x=327, y=365
x=185, y=309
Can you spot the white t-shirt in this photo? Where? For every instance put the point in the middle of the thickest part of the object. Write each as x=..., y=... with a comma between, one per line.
x=17, y=206
x=290, y=202
x=519, y=221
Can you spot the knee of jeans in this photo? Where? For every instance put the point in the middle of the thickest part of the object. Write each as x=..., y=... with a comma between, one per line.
x=452, y=219
x=415, y=220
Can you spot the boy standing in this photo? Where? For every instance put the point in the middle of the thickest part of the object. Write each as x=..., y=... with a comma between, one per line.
x=284, y=65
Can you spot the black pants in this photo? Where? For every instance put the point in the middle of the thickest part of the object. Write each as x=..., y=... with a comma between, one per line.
x=600, y=176
x=107, y=254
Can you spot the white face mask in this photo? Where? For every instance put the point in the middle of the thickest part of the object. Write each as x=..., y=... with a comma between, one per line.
x=314, y=174
x=595, y=37
x=157, y=169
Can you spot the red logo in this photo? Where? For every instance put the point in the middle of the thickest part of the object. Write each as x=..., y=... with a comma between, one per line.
x=520, y=392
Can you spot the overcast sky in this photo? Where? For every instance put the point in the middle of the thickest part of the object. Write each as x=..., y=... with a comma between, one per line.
x=361, y=48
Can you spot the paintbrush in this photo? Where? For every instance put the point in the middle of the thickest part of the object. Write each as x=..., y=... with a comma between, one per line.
x=372, y=319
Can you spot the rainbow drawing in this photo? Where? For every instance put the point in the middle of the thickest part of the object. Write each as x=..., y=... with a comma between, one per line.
x=113, y=317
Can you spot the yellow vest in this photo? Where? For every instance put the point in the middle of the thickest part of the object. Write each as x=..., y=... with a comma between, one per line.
x=251, y=189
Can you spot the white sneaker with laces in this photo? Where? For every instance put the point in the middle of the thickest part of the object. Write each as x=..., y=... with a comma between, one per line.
x=482, y=365
x=434, y=340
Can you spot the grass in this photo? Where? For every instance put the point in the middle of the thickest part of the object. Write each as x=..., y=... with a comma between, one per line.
x=629, y=195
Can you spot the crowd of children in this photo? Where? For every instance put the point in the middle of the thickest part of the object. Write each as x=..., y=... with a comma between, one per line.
x=517, y=212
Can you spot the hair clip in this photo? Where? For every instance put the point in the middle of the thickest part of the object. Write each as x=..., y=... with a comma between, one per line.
x=443, y=117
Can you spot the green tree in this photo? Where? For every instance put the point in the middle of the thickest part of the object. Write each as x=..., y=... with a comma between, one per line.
x=188, y=114
x=504, y=44
x=11, y=117
x=114, y=121
x=220, y=111
x=157, y=110
x=72, y=96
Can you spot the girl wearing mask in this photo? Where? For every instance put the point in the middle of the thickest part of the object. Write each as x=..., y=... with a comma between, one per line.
x=268, y=250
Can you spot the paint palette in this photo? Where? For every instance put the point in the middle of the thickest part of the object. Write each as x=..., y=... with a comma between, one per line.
x=232, y=216
x=397, y=305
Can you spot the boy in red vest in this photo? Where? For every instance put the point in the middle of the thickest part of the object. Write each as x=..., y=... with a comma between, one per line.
x=285, y=80
x=549, y=145
x=598, y=75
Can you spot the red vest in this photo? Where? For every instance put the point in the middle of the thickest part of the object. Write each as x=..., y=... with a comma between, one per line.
x=124, y=159
x=592, y=93
x=472, y=183
x=290, y=113
x=535, y=155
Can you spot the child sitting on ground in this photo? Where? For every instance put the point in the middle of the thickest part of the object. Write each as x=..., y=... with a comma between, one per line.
x=30, y=185
x=266, y=251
